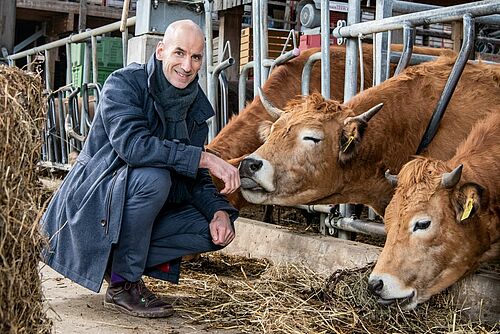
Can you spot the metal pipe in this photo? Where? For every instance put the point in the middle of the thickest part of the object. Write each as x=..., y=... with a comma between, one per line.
x=325, y=49
x=306, y=71
x=69, y=77
x=48, y=72
x=257, y=59
x=445, y=14
x=351, y=53
x=224, y=113
x=125, y=45
x=62, y=130
x=284, y=57
x=72, y=39
x=451, y=83
x=381, y=43
x=316, y=208
x=213, y=79
x=264, y=54
x=412, y=7
x=242, y=84
x=408, y=38
x=95, y=64
x=355, y=225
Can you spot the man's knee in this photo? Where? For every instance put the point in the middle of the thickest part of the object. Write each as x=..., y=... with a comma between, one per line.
x=150, y=182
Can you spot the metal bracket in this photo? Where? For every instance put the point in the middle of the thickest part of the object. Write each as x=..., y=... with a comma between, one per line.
x=340, y=24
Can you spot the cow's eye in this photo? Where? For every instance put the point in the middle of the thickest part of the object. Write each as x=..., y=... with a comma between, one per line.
x=313, y=139
x=421, y=225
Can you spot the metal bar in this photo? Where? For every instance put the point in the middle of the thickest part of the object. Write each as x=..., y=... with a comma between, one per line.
x=62, y=131
x=488, y=39
x=356, y=225
x=325, y=49
x=264, y=54
x=72, y=39
x=257, y=68
x=445, y=14
x=451, y=83
x=125, y=45
x=412, y=7
x=69, y=77
x=381, y=49
x=48, y=72
x=306, y=71
x=224, y=113
x=408, y=38
x=95, y=64
x=242, y=84
x=351, y=53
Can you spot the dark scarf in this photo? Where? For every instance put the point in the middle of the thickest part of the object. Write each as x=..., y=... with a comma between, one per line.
x=175, y=103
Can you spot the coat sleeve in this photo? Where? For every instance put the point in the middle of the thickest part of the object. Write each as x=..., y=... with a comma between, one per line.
x=128, y=129
x=207, y=199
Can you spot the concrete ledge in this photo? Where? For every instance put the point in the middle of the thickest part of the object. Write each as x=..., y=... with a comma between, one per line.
x=323, y=254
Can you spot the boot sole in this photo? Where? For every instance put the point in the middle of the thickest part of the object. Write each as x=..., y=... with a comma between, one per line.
x=159, y=314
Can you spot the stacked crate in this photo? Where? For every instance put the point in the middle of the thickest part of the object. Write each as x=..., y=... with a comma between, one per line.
x=276, y=40
x=109, y=59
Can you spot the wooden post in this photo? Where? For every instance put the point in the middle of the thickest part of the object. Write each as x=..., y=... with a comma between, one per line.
x=230, y=30
x=82, y=17
x=8, y=25
x=457, y=35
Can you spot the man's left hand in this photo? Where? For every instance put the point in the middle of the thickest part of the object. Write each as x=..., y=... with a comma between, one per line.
x=221, y=229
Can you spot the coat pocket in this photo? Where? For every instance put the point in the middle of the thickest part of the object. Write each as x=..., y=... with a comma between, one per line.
x=91, y=176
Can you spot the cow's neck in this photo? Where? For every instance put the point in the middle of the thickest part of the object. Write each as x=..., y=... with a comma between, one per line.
x=390, y=140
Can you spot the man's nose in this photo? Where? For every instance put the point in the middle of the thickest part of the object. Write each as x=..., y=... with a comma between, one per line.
x=186, y=65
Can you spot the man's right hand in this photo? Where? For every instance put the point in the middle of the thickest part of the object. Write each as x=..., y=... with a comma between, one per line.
x=222, y=170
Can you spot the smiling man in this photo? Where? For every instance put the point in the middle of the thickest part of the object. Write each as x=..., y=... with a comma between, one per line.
x=140, y=195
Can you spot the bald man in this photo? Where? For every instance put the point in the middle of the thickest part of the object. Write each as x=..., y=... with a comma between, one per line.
x=140, y=195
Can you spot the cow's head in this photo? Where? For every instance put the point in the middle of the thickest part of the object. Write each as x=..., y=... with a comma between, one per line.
x=433, y=233
x=300, y=149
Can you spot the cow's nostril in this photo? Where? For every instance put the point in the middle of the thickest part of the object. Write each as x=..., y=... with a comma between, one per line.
x=375, y=286
x=249, y=166
x=256, y=165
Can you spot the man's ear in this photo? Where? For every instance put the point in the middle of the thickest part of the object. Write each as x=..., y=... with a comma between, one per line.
x=467, y=201
x=264, y=130
x=350, y=138
x=159, y=50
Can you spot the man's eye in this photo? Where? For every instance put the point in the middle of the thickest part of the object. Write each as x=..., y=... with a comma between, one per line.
x=313, y=139
x=179, y=53
x=197, y=58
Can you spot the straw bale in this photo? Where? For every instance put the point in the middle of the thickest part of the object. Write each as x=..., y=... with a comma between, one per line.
x=21, y=196
x=254, y=296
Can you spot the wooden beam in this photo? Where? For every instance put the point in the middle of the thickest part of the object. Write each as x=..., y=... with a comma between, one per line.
x=61, y=24
x=230, y=30
x=71, y=7
x=8, y=25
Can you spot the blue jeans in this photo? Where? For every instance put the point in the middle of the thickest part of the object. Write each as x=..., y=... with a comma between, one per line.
x=153, y=232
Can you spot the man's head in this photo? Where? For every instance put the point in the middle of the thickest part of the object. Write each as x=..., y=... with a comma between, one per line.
x=181, y=52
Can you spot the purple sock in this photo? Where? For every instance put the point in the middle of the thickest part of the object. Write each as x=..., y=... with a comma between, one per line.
x=117, y=279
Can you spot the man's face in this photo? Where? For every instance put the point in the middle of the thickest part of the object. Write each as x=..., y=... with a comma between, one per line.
x=182, y=56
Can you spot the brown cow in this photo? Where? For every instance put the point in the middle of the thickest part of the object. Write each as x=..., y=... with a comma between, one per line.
x=240, y=136
x=442, y=221
x=318, y=152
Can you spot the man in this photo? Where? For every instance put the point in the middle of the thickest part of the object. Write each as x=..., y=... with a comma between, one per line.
x=140, y=195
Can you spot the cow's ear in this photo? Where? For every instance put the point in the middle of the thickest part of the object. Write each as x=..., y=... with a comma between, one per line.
x=350, y=137
x=265, y=130
x=467, y=201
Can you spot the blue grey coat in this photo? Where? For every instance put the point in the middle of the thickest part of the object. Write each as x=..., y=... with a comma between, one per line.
x=83, y=218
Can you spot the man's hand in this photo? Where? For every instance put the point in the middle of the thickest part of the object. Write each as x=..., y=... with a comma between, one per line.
x=221, y=230
x=222, y=170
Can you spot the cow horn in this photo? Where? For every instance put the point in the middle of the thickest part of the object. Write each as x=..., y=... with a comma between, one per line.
x=449, y=180
x=367, y=115
x=272, y=110
x=393, y=179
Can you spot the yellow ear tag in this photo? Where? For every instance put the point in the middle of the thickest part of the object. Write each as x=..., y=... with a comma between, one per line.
x=351, y=138
x=468, y=208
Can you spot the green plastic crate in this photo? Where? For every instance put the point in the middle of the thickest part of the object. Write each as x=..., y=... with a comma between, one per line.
x=109, y=53
x=102, y=74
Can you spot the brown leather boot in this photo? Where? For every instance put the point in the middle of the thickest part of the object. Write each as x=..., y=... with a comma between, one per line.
x=134, y=298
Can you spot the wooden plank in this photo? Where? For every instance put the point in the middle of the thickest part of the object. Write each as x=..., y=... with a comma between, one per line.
x=229, y=31
x=71, y=7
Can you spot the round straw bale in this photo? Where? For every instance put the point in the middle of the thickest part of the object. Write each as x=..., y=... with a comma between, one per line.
x=21, y=196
